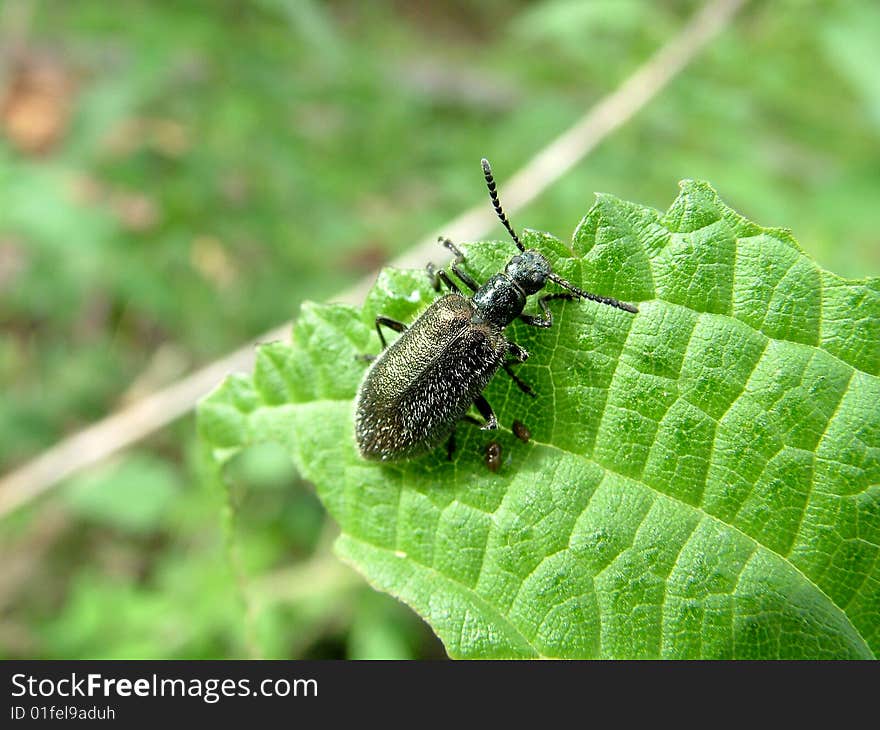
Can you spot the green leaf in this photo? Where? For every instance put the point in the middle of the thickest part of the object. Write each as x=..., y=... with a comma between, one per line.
x=703, y=478
x=135, y=495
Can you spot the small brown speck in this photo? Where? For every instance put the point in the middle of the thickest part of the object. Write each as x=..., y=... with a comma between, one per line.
x=493, y=456
x=521, y=432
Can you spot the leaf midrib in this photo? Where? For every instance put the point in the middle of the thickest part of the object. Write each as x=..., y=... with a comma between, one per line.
x=608, y=470
x=502, y=617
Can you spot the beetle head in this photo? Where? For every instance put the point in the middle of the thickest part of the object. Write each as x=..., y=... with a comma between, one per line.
x=529, y=269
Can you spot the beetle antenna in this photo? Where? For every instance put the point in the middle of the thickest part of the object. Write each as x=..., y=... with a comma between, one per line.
x=592, y=297
x=499, y=211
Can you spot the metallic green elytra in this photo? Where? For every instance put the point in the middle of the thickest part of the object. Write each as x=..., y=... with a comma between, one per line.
x=420, y=387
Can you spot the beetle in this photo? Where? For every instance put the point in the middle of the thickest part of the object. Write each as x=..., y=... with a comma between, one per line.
x=422, y=385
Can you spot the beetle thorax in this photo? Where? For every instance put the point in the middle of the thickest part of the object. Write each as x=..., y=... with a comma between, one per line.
x=503, y=297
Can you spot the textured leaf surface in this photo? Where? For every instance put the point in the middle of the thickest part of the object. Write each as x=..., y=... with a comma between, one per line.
x=703, y=479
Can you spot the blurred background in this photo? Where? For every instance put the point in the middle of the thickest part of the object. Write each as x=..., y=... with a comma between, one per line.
x=176, y=177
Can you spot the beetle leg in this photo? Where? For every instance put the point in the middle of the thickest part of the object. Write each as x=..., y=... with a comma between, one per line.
x=391, y=324
x=459, y=256
x=450, y=445
x=437, y=275
x=432, y=276
x=520, y=383
x=547, y=319
x=517, y=352
x=519, y=355
x=486, y=412
x=466, y=278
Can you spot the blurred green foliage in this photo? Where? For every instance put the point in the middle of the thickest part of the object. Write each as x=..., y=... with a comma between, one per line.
x=176, y=177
